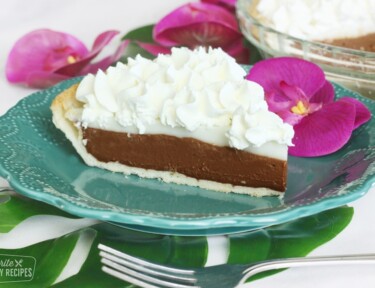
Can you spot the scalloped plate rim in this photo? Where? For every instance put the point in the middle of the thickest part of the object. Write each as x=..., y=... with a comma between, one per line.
x=194, y=226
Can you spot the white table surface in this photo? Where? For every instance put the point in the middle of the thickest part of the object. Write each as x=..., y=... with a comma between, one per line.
x=86, y=19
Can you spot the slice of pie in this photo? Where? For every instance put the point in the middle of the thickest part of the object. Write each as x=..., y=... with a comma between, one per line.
x=189, y=118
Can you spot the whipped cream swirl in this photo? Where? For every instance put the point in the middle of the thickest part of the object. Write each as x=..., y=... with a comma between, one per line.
x=319, y=19
x=197, y=92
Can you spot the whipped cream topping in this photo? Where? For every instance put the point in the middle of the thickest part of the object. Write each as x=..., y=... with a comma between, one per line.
x=190, y=93
x=319, y=19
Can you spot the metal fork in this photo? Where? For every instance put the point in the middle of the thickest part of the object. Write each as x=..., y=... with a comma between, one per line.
x=150, y=275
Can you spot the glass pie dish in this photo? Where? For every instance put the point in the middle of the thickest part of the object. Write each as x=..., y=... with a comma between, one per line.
x=354, y=69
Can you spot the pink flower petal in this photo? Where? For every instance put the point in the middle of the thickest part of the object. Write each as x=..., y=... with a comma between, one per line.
x=325, y=95
x=276, y=106
x=294, y=93
x=324, y=131
x=290, y=117
x=42, y=50
x=100, y=42
x=295, y=72
x=197, y=24
x=362, y=114
x=238, y=51
x=283, y=109
x=221, y=2
x=107, y=61
x=228, y=4
x=154, y=49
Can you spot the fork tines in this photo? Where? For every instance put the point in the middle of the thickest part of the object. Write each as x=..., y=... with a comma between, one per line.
x=143, y=273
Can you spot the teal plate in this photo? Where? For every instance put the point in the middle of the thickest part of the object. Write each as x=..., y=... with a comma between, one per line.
x=40, y=163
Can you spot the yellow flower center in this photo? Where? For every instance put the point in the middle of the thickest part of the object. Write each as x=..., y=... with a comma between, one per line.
x=299, y=109
x=71, y=59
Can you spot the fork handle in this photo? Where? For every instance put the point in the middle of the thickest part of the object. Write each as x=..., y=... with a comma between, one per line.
x=307, y=261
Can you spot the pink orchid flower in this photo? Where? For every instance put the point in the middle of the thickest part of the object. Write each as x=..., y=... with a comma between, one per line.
x=199, y=24
x=298, y=92
x=228, y=4
x=45, y=57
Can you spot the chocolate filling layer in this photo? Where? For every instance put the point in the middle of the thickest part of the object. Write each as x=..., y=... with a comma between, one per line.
x=364, y=43
x=187, y=156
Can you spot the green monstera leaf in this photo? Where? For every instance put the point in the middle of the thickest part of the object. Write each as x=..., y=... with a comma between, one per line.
x=295, y=238
x=50, y=259
x=292, y=239
x=163, y=249
x=142, y=34
x=15, y=208
x=132, y=50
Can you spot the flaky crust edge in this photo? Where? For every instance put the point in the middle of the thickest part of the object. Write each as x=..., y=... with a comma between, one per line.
x=61, y=105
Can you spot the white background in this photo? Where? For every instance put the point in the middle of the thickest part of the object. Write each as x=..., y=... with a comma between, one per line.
x=86, y=19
